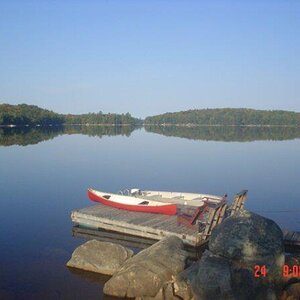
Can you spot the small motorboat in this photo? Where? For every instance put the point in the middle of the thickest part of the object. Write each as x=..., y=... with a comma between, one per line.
x=179, y=198
x=133, y=203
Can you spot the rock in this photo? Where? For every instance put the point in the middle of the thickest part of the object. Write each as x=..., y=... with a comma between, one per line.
x=213, y=279
x=144, y=274
x=100, y=257
x=182, y=289
x=292, y=260
x=220, y=278
x=247, y=236
x=249, y=240
x=236, y=246
x=292, y=292
x=170, y=291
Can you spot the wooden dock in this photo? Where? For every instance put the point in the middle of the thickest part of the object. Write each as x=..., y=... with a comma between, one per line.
x=291, y=240
x=133, y=242
x=146, y=225
x=155, y=226
x=140, y=230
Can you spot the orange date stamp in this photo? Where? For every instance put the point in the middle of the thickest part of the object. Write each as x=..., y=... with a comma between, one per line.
x=287, y=271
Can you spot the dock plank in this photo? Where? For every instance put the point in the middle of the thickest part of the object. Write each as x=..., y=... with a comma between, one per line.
x=145, y=225
x=148, y=225
x=291, y=240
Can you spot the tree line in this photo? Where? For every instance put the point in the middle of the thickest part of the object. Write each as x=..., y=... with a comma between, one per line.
x=226, y=116
x=24, y=114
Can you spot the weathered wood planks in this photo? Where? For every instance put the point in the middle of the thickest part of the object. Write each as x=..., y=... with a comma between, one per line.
x=144, y=225
x=155, y=226
x=238, y=202
x=291, y=240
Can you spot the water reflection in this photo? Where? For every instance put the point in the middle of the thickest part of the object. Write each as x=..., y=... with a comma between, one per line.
x=133, y=242
x=227, y=133
x=40, y=185
x=99, y=279
x=24, y=136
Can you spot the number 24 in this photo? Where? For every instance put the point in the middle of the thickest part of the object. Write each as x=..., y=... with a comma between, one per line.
x=260, y=271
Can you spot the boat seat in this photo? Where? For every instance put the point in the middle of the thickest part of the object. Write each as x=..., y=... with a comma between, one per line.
x=154, y=196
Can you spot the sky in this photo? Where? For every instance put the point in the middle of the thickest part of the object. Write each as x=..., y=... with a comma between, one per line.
x=150, y=57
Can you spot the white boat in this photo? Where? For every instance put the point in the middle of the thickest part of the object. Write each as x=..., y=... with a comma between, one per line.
x=181, y=198
x=132, y=203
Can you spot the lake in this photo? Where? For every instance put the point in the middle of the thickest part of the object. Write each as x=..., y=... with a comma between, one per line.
x=45, y=172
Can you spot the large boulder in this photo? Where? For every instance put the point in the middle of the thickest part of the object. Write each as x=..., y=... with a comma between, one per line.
x=171, y=290
x=240, y=244
x=100, y=257
x=292, y=259
x=291, y=292
x=250, y=240
x=247, y=236
x=144, y=274
x=213, y=278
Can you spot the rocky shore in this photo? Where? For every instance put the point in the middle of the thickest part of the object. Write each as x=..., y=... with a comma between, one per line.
x=245, y=259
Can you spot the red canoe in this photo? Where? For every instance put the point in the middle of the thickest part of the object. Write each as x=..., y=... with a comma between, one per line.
x=132, y=203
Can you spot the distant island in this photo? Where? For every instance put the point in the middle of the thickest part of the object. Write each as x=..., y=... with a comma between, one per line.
x=31, y=115
x=226, y=117
x=28, y=124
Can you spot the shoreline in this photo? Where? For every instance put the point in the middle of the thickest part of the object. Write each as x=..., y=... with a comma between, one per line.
x=191, y=125
x=64, y=124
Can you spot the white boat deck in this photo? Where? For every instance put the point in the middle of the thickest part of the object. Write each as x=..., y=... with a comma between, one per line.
x=190, y=199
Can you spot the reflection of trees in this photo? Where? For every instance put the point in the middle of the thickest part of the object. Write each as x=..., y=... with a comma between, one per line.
x=32, y=135
x=227, y=133
x=99, y=131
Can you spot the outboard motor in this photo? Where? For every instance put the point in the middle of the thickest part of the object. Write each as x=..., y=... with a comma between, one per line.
x=135, y=192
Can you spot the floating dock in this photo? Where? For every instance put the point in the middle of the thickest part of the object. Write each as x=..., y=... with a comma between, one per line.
x=154, y=226
x=141, y=230
x=291, y=240
x=146, y=225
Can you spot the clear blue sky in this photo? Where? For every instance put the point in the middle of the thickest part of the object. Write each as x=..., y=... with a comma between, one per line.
x=149, y=57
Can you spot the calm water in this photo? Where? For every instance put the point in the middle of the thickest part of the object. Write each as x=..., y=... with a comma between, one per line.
x=44, y=174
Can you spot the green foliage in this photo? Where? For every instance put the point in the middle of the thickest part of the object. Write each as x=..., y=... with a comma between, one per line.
x=100, y=118
x=23, y=114
x=227, y=116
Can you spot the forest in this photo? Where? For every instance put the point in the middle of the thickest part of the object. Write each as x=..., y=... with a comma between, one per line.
x=226, y=116
x=24, y=114
x=32, y=115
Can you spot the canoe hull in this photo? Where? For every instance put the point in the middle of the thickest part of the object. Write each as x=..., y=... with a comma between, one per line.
x=168, y=209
